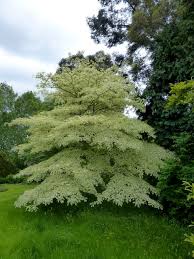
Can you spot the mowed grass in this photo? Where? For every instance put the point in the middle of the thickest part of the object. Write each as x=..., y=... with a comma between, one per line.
x=93, y=234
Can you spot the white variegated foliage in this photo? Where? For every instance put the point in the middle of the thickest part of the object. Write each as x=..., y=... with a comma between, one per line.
x=93, y=148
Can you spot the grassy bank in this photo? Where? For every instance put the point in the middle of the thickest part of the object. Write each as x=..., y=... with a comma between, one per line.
x=92, y=234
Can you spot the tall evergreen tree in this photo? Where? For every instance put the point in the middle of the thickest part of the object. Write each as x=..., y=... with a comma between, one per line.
x=172, y=57
x=180, y=168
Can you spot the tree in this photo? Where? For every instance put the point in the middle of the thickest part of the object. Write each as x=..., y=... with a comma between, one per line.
x=7, y=101
x=7, y=106
x=11, y=107
x=136, y=22
x=88, y=149
x=6, y=165
x=172, y=63
x=181, y=168
x=27, y=105
x=100, y=59
x=164, y=29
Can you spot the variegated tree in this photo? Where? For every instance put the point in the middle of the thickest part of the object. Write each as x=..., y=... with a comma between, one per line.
x=90, y=148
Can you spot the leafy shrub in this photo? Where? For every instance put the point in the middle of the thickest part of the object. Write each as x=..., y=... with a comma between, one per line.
x=10, y=179
x=190, y=188
x=173, y=196
x=172, y=192
x=7, y=166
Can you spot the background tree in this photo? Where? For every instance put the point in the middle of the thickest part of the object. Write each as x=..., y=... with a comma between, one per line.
x=181, y=168
x=7, y=166
x=27, y=105
x=136, y=22
x=13, y=106
x=172, y=57
x=100, y=59
x=90, y=150
x=7, y=101
x=160, y=40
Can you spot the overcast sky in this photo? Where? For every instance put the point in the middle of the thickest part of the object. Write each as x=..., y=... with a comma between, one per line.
x=36, y=34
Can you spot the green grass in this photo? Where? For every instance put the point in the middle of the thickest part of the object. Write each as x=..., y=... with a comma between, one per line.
x=92, y=234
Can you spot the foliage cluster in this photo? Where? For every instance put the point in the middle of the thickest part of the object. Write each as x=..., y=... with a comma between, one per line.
x=172, y=62
x=164, y=29
x=10, y=179
x=190, y=188
x=99, y=59
x=136, y=22
x=181, y=168
x=7, y=166
x=13, y=106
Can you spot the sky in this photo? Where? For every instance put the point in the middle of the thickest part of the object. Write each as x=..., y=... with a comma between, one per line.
x=36, y=34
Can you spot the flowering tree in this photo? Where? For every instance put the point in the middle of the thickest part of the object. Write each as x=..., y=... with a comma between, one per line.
x=89, y=148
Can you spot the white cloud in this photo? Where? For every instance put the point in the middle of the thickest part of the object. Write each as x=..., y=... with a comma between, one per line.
x=9, y=60
x=46, y=29
x=36, y=34
x=19, y=71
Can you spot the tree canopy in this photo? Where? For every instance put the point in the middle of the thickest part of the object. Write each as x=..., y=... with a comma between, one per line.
x=100, y=59
x=181, y=168
x=7, y=100
x=172, y=62
x=13, y=106
x=136, y=22
x=160, y=48
x=90, y=150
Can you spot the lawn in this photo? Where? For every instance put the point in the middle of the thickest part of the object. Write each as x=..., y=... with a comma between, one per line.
x=93, y=234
